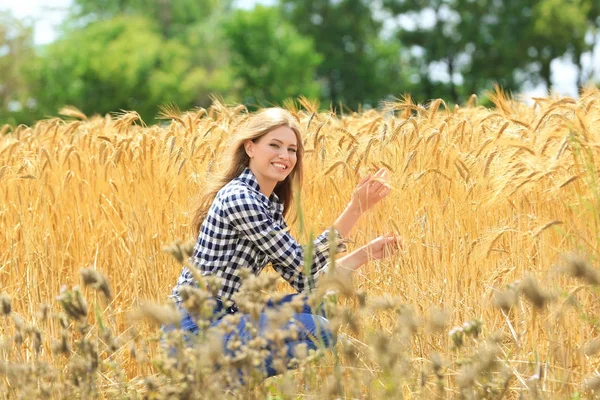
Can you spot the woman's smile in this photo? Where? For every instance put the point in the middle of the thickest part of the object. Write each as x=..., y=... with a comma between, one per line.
x=280, y=166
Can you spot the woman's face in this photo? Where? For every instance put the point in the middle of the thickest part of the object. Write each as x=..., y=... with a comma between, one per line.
x=273, y=156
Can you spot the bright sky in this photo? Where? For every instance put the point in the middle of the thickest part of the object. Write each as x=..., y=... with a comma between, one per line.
x=48, y=14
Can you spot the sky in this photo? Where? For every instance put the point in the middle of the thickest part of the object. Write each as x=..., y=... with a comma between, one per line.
x=48, y=14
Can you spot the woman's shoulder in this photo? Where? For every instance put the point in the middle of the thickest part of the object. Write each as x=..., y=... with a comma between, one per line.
x=236, y=191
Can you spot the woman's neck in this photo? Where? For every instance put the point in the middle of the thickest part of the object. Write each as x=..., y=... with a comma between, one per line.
x=266, y=185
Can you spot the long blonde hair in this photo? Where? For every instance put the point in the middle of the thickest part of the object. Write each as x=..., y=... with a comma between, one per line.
x=236, y=160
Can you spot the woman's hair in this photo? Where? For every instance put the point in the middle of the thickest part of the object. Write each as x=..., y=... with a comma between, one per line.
x=236, y=160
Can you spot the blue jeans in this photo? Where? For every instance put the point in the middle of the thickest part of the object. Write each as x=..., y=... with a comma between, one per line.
x=312, y=329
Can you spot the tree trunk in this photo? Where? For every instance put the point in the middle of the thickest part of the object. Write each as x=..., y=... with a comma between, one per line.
x=165, y=17
x=453, y=91
x=545, y=73
x=332, y=89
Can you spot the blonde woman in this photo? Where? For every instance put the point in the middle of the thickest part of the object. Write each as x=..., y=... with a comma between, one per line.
x=241, y=225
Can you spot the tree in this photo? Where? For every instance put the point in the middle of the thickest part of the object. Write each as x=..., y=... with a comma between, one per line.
x=16, y=51
x=557, y=27
x=270, y=59
x=121, y=63
x=359, y=67
x=472, y=41
x=593, y=33
x=483, y=42
x=134, y=54
x=174, y=17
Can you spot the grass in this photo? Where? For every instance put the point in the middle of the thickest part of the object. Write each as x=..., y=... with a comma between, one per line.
x=495, y=295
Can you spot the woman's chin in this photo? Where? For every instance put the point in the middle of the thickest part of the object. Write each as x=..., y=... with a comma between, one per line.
x=280, y=175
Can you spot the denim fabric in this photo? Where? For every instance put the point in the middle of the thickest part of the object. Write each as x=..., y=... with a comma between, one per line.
x=312, y=329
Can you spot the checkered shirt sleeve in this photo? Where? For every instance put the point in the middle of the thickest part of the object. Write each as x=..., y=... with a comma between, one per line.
x=250, y=217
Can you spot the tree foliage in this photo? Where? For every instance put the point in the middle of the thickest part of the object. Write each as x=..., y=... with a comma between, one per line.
x=359, y=67
x=121, y=63
x=270, y=59
x=174, y=17
x=16, y=51
x=479, y=43
x=138, y=54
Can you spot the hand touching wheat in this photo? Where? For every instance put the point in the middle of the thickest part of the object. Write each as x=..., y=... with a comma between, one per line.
x=371, y=190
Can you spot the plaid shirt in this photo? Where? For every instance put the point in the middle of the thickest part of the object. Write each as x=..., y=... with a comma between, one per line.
x=245, y=229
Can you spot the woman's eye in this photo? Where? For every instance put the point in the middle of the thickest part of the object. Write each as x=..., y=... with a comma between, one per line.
x=293, y=150
x=275, y=145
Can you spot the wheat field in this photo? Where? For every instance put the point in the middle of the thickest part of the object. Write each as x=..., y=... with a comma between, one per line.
x=494, y=296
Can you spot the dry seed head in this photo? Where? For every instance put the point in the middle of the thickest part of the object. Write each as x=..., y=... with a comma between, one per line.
x=507, y=299
x=337, y=282
x=579, y=268
x=487, y=358
x=197, y=301
x=592, y=347
x=349, y=350
x=18, y=338
x=592, y=383
x=457, y=335
x=385, y=304
x=287, y=386
x=332, y=388
x=213, y=284
x=63, y=320
x=530, y=288
x=97, y=280
x=407, y=321
x=361, y=297
x=73, y=303
x=438, y=320
x=437, y=364
x=37, y=339
x=349, y=318
x=62, y=346
x=112, y=344
x=44, y=312
x=152, y=384
x=18, y=321
x=180, y=251
x=157, y=314
x=5, y=303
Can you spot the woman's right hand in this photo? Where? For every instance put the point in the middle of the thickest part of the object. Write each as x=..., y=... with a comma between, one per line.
x=384, y=246
x=370, y=191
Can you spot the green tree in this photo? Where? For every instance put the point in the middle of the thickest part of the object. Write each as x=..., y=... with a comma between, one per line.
x=175, y=17
x=16, y=51
x=483, y=42
x=593, y=22
x=270, y=59
x=557, y=27
x=472, y=41
x=120, y=63
x=134, y=54
x=359, y=67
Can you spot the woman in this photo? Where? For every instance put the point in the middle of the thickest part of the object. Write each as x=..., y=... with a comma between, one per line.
x=241, y=225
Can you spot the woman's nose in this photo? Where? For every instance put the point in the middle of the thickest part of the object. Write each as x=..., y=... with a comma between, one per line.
x=283, y=154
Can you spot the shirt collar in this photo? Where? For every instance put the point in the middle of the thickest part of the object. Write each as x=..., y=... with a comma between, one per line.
x=247, y=177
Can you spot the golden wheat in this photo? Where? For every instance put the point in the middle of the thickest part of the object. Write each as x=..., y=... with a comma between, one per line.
x=473, y=207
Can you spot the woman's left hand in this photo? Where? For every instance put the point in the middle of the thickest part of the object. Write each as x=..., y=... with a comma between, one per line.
x=371, y=190
x=384, y=246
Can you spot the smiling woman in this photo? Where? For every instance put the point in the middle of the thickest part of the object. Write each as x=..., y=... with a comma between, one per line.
x=241, y=227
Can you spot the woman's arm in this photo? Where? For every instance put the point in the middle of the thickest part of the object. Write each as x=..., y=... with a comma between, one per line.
x=379, y=248
x=368, y=193
x=247, y=215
